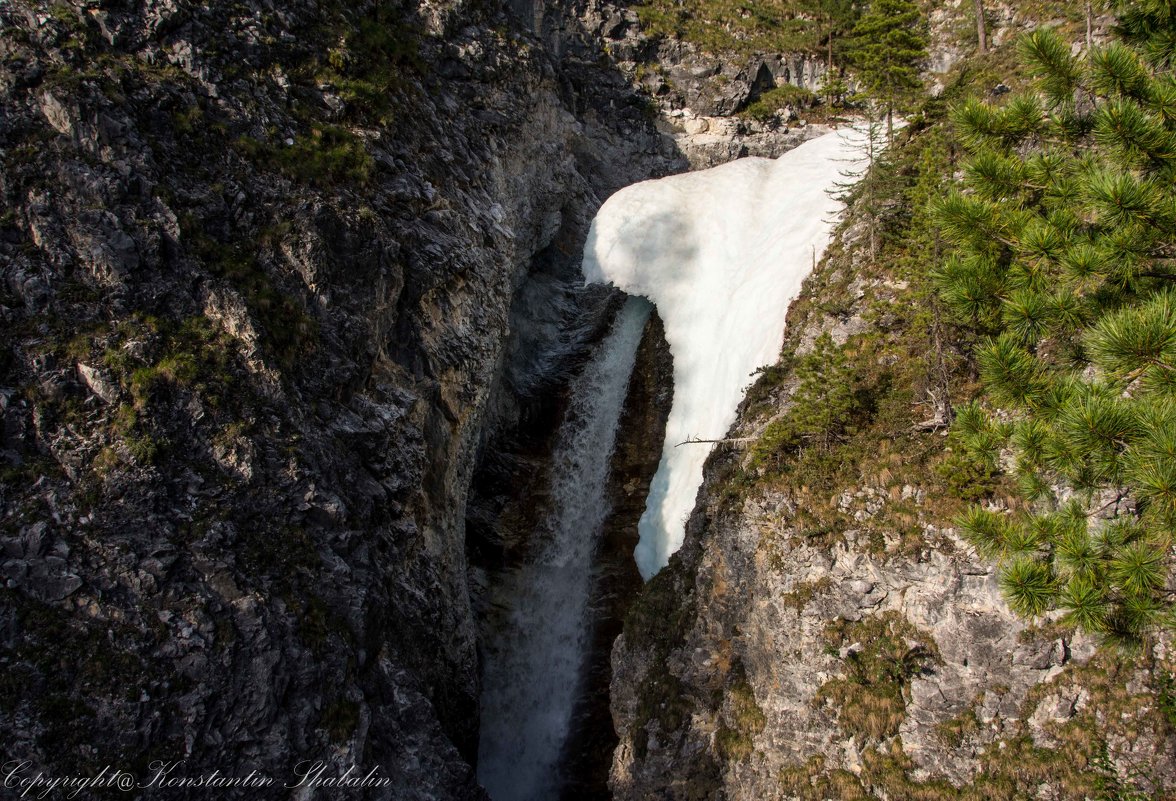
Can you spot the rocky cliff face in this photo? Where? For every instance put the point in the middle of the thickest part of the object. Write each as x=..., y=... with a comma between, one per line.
x=699, y=94
x=259, y=266
x=824, y=634
x=280, y=281
x=834, y=638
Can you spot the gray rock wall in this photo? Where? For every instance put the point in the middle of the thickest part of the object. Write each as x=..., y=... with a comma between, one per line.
x=830, y=636
x=255, y=322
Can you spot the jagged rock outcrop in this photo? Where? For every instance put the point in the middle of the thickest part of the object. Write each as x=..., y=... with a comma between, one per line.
x=698, y=94
x=711, y=141
x=762, y=616
x=258, y=265
x=680, y=74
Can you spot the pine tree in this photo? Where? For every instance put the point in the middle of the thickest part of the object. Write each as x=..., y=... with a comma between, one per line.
x=889, y=48
x=821, y=409
x=866, y=182
x=1064, y=235
x=824, y=403
x=1148, y=25
x=837, y=20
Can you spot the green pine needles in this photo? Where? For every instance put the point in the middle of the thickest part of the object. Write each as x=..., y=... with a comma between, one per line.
x=1063, y=234
x=888, y=50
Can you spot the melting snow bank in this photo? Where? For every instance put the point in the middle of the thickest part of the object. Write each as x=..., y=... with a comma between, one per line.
x=721, y=253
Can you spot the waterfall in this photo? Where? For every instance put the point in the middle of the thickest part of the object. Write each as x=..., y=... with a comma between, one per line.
x=535, y=653
x=722, y=253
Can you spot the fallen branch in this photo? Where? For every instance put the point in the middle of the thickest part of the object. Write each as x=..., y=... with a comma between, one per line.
x=729, y=441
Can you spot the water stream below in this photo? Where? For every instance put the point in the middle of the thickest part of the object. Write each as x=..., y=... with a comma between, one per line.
x=540, y=632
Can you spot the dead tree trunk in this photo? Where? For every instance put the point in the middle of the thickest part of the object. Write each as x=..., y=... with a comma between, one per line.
x=981, y=35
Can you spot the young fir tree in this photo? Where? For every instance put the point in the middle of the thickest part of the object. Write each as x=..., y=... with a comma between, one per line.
x=867, y=183
x=822, y=407
x=889, y=48
x=837, y=18
x=1064, y=235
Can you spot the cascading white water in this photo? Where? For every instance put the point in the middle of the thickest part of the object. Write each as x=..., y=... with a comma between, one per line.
x=533, y=660
x=721, y=253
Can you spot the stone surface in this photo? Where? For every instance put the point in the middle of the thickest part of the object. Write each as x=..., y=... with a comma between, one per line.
x=245, y=391
x=750, y=607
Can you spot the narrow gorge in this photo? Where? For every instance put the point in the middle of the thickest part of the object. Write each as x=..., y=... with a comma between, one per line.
x=536, y=648
x=282, y=362
x=721, y=253
x=569, y=401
